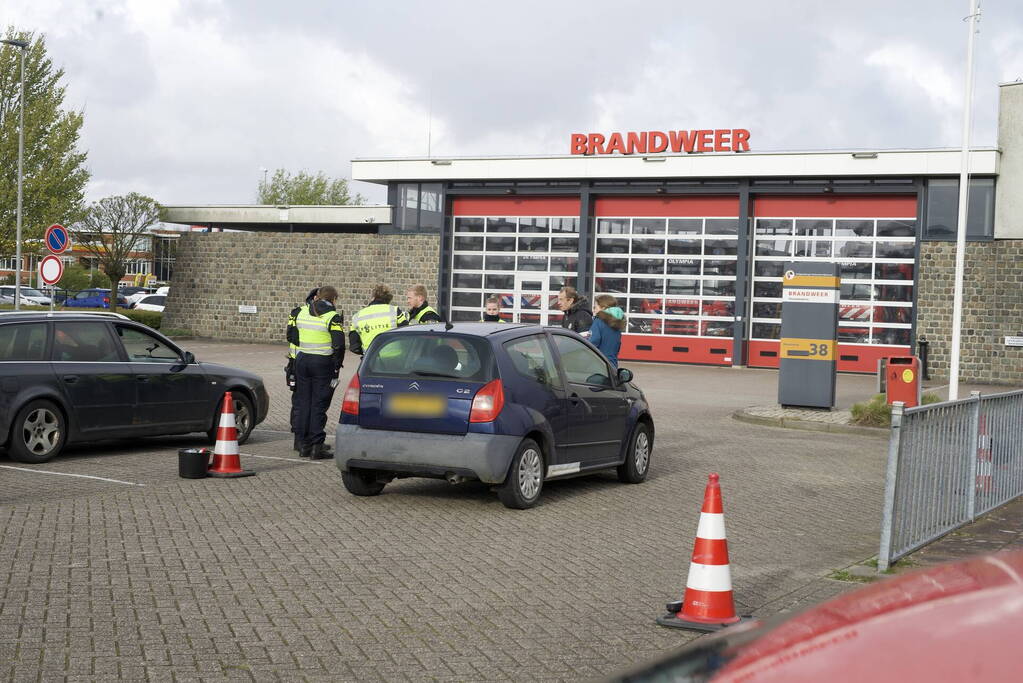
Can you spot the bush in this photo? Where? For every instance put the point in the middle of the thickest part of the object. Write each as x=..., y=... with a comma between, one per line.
x=77, y=278
x=173, y=332
x=877, y=413
x=151, y=319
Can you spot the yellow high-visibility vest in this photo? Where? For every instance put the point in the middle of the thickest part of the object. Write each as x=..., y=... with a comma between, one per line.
x=419, y=316
x=314, y=332
x=374, y=319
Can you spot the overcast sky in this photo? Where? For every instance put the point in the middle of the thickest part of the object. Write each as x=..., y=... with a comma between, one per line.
x=185, y=100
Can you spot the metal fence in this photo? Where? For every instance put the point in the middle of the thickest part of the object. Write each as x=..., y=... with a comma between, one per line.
x=947, y=463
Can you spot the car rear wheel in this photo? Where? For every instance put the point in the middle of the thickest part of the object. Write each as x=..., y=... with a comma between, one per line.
x=244, y=417
x=521, y=489
x=637, y=460
x=39, y=432
x=362, y=483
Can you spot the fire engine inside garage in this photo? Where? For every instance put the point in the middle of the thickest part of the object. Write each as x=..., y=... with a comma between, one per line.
x=691, y=241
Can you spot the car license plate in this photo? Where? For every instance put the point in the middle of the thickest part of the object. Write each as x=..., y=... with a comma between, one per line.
x=417, y=405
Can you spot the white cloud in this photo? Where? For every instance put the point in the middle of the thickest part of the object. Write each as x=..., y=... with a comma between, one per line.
x=187, y=99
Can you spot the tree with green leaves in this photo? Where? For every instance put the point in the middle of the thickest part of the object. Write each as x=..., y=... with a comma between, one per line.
x=306, y=189
x=77, y=278
x=55, y=173
x=113, y=229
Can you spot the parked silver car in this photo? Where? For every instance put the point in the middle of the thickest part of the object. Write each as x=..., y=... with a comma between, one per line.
x=29, y=296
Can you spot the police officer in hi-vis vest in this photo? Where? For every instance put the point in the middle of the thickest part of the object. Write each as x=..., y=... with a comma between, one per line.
x=320, y=355
x=289, y=369
x=378, y=317
x=419, y=309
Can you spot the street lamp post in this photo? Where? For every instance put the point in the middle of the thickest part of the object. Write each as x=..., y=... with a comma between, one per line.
x=21, y=161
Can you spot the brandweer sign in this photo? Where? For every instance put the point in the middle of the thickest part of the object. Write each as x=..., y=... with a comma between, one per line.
x=655, y=142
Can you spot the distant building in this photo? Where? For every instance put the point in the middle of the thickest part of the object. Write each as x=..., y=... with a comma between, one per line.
x=154, y=256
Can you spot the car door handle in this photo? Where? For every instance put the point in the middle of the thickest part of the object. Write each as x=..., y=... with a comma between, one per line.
x=576, y=400
x=142, y=378
x=70, y=379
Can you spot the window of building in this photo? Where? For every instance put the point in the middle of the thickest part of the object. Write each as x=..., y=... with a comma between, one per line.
x=673, y=276
x=420, y=207
x=523, y=261
x=878, y=267
x=943, y=209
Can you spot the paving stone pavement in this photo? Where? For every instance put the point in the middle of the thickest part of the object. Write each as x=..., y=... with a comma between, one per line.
x=284, y=576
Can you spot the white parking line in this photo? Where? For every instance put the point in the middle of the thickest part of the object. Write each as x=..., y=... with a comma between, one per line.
x=66, y=474
x=277, y=457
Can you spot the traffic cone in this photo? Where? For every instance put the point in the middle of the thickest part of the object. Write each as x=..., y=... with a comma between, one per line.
x=708, y=603
x=226, y=459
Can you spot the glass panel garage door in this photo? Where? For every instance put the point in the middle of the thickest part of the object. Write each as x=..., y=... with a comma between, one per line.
x=877, y=260
x=672, y=276
x=523, y=260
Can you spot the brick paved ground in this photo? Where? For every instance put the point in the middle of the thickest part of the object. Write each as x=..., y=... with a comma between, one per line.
x=284, y=576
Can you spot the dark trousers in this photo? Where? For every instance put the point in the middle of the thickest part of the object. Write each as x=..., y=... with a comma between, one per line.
x=312, y=395
x=289, y=374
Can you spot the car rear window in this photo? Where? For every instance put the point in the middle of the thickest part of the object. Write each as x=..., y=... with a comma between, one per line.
x=439, y=356
x=25, y=341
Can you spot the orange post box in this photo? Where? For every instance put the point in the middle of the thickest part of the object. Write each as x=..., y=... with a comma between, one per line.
x=903, y=380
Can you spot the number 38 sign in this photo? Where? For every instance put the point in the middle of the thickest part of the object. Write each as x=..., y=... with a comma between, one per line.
x=809, y=324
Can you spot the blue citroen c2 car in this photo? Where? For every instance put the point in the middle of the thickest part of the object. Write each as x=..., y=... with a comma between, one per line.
x=508, y=405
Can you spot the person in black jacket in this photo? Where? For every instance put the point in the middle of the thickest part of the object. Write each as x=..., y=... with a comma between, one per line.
x=320, y=356
x=289, y=369
x=578, y=317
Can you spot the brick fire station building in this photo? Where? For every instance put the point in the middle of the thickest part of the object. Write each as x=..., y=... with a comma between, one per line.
x=690, y=229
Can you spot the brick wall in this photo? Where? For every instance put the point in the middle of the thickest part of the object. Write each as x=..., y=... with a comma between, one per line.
x=214, y=273
x=992, y=309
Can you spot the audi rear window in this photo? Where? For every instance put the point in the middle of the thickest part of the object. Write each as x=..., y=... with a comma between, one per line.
x=432, y=356
x=25, y=341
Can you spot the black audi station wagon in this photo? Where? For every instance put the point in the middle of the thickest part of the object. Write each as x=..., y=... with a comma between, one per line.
x=74, y=377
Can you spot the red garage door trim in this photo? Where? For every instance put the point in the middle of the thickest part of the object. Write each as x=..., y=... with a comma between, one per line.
x=515, y=206
x=696, y=350
x=724, y=207
x=853, y=206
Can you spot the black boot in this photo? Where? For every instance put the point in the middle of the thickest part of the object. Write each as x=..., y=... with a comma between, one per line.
x=305, y=451
x=320, y=451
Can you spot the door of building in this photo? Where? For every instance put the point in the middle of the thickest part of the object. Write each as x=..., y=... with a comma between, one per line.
x=532, y=299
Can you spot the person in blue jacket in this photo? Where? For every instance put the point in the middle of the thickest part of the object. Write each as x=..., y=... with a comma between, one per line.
x=608, y=323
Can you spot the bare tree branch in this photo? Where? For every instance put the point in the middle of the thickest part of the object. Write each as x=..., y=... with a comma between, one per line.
x=111, y=231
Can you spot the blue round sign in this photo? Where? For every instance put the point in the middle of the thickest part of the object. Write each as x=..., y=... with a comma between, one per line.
x=57, y=239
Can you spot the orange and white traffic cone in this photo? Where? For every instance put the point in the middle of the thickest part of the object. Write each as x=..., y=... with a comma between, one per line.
x=226, y=459
x=708, y=603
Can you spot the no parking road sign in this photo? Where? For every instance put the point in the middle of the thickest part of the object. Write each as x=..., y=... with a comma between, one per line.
x=57, y=239
x=51, y=269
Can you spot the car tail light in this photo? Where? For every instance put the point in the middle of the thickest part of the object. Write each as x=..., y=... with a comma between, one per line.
x=350, y=404
x=106, y=300
x=488, y=402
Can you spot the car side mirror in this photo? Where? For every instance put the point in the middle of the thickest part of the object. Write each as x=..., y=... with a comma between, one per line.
x=189, y=358
x=624, y=375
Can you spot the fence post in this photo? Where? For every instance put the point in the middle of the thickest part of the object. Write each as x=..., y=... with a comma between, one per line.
x=884, y=555
x=971, y=496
